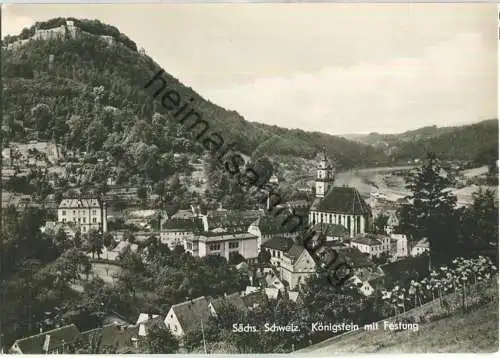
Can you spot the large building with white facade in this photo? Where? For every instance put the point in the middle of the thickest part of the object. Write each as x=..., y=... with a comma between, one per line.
x=222, y=244
x=88, y=213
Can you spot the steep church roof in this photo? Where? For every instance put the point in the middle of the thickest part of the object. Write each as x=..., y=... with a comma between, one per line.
x=342, y=200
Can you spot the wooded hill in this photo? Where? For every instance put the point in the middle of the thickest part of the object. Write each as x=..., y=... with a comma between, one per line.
x=476, y=142
x=42, y=98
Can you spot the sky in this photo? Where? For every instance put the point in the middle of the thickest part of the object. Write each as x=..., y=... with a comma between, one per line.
x=334, y=68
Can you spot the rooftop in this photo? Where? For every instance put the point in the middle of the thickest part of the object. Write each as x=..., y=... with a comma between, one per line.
x=184, y=224
x=279, y=243
x=366, y=240
x=58, y=337
x=215, y=237
x=342, y=200
x=191, y=313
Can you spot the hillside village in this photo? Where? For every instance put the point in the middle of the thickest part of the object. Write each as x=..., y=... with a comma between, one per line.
x=172, y=245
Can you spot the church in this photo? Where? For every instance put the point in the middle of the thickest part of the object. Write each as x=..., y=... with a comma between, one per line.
x=338, y=205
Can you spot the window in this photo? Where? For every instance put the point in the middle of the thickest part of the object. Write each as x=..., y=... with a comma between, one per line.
x=94, y=220
x=84, y=229
x=64, y=220
x=214, y=247
x=234, y=245
x=74, y=212
x=84, y=220
x=93, y=212
x=64, y=213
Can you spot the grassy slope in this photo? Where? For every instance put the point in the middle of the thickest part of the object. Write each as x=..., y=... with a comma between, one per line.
x=476, y=331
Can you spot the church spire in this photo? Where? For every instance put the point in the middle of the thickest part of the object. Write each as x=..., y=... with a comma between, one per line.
x=324, y=175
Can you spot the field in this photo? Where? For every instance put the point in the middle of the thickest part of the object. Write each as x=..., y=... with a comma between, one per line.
x=476, y=331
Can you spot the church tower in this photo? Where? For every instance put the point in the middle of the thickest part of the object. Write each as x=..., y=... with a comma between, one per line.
x=324, y=176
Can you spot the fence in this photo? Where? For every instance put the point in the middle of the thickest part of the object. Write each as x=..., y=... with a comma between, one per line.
x=437, y=308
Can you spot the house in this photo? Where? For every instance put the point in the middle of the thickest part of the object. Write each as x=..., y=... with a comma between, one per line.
x=338, y=205
x=187, y=316
x=420, y=247
x=274, y=282
x=89, y=213
x=333, y=232
x=175, y=231
x=52, y=227
x=294, y=296
x=121, y=339
x=254, y=297
x=368, y=245
x=147, y=324
x=268, y=226
x=392, y=222
x=233, y=299
x=363, y=287
x=236, y=221
x=223, y=244
x=60, y=340
x=399, y=246
x=293, y=262
x=272, y=293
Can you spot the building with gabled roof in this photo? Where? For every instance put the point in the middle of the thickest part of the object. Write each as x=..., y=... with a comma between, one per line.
x=234, y=299
x=338, y=205
x=60, y=340
x=176, y=230
x=187, y=316
x=120, y=339
x=293, y=262
x=89, y=213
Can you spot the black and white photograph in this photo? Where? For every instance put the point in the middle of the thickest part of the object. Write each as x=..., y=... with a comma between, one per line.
x=249, y=178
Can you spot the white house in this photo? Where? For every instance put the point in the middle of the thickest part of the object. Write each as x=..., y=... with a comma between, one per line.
x=363, y=287
x=188, y=316
x=367, y=245
x=399, y=246
x=420, y=247
x=223, y=244
x=89, y=213
x=293, y=262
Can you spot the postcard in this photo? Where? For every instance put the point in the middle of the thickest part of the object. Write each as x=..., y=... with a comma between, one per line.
x=249, y=178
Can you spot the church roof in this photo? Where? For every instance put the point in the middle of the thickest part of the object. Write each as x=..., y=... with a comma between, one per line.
x=342, y=200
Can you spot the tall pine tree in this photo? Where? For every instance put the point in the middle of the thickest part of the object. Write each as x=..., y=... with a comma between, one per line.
x=432, y=211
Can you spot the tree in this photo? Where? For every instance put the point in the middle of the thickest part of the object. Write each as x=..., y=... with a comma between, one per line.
x=160, y=340
x=108, y=240
x=77, y=240
x=264, y=256
x=479, y=222
x=432, y=213
x=96, y=243
x=380, y=224
x=235, y=258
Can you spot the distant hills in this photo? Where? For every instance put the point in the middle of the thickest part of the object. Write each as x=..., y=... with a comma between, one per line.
x=80, y=64
x=51, y=90
x=473, y=142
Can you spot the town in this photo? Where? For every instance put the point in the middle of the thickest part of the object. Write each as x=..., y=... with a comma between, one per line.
x=122, y=234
